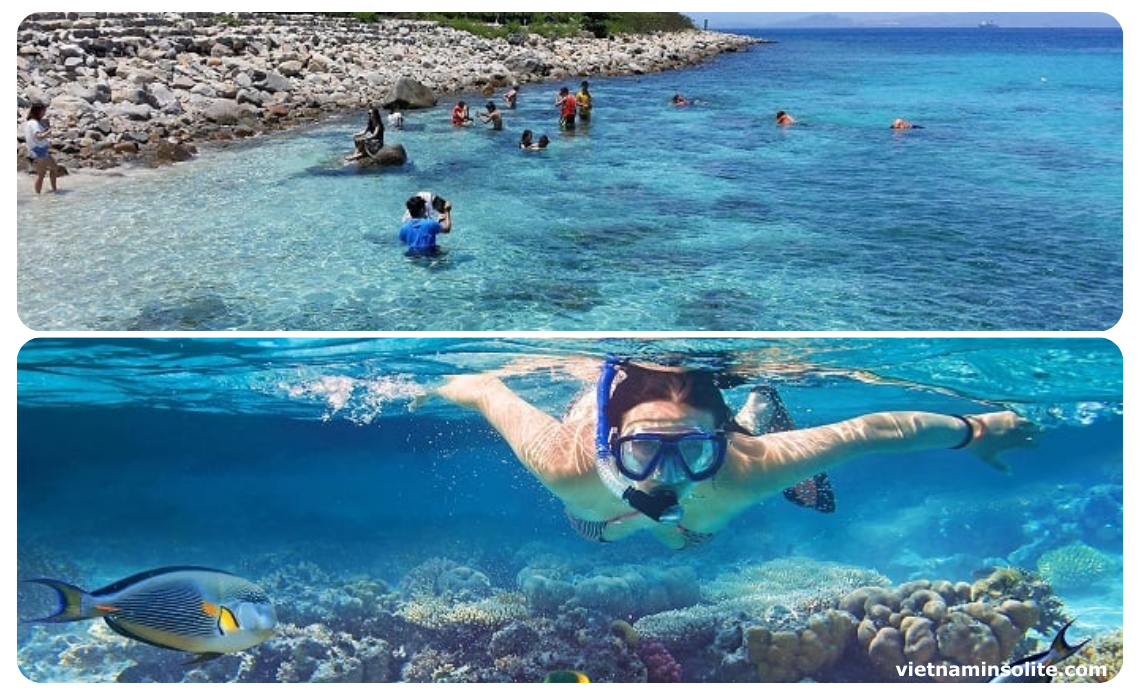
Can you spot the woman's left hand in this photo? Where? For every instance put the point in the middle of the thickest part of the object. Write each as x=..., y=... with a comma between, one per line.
x=997, y=432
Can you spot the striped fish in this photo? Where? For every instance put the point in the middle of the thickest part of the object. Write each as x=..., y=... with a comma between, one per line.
x=184, y=608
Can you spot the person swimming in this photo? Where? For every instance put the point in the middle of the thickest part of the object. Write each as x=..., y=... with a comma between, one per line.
x=657, y=449
x=900, y=124
x=527, y=141
x=784, y=118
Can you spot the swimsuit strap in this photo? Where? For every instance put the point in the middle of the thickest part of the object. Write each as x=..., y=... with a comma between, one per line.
x=594, y=530
x=587, y=530
x=693, y=538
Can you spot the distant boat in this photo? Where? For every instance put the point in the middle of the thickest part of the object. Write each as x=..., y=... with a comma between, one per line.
x=987, y=24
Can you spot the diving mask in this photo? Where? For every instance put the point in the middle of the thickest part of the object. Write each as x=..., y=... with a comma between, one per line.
x=699, y=454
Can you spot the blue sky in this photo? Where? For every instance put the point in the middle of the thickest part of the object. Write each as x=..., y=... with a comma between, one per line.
x=726, y=20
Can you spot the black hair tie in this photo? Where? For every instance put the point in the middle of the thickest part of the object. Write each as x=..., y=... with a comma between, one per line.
x=971, y=431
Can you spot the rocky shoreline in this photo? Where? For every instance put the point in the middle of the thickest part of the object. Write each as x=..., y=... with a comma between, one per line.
x=146, y=88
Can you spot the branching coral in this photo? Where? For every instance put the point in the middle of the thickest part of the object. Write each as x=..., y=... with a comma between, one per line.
x=440, y=613
x=1074, y=567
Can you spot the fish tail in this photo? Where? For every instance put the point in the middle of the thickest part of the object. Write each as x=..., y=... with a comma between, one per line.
x=1063, y=649
x=72, y=606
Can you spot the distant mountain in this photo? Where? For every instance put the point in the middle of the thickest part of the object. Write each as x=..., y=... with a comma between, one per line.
x=847, y=20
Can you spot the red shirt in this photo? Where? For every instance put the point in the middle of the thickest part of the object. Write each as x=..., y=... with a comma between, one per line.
x=569, y=106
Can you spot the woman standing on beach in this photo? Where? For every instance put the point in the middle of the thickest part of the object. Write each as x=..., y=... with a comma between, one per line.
x=36, y=136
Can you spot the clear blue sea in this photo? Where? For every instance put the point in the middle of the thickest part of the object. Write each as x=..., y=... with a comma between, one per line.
x=314, y=466
x=1006, y=212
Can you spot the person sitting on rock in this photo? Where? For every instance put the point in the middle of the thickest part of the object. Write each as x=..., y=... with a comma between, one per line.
x=370, y=140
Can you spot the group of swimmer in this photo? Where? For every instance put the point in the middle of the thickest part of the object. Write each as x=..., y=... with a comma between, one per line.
x=783, y=118
x=429, y=215
x=572, y=109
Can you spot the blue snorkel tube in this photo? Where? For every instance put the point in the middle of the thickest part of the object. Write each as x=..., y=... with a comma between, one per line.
x=661, y=505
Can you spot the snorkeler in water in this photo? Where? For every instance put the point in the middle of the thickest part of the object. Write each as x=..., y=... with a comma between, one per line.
x=657, y=449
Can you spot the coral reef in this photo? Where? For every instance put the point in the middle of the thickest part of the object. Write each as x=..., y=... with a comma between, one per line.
x=785, y=604
x=936, y=623
x=792, y=655
x=438, y=613
x=630, y=591
x=1106, y=650
x=791, y=586
x=659, y=663
x=1074, y=567
x=779, y=621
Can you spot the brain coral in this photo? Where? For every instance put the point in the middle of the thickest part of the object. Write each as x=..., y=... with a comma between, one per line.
x=936, y=623
x=792, y=655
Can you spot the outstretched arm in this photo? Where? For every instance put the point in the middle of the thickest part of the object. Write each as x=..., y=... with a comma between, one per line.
x=542, y=443
x=770, y=463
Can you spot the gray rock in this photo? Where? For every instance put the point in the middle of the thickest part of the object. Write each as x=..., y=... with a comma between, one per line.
x=275, y=82
x=129, y=111
x=409, y=94
x=227, y=112
x=290, y=68
x=389, y=155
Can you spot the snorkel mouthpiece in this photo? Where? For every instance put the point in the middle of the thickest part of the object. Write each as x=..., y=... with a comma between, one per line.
x=660, y=505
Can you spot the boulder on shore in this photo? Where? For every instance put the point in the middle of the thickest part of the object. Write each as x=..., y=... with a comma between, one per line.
x=409, y=94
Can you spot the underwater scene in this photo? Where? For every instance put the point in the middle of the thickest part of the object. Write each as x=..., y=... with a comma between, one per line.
x=342, y=510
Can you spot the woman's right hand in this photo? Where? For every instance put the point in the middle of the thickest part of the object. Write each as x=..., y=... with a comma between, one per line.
x=466, y=390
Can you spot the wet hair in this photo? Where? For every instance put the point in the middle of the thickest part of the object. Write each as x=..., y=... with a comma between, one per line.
x=491, y=106
x=417, y=206
x=543, y=141
x=564, y=90
x=698, y=389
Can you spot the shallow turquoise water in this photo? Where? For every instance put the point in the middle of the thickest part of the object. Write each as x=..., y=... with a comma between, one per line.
x=1005, y=212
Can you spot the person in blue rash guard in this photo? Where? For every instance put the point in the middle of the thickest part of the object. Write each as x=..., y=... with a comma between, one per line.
x=420, y=231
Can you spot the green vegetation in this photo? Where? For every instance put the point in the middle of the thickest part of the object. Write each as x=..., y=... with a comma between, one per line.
x=500, y=24
x=227, y=20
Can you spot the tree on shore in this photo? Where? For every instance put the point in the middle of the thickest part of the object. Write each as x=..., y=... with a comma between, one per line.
x=600, y=24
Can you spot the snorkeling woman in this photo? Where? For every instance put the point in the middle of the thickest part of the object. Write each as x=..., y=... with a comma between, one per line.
x=657, y=449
